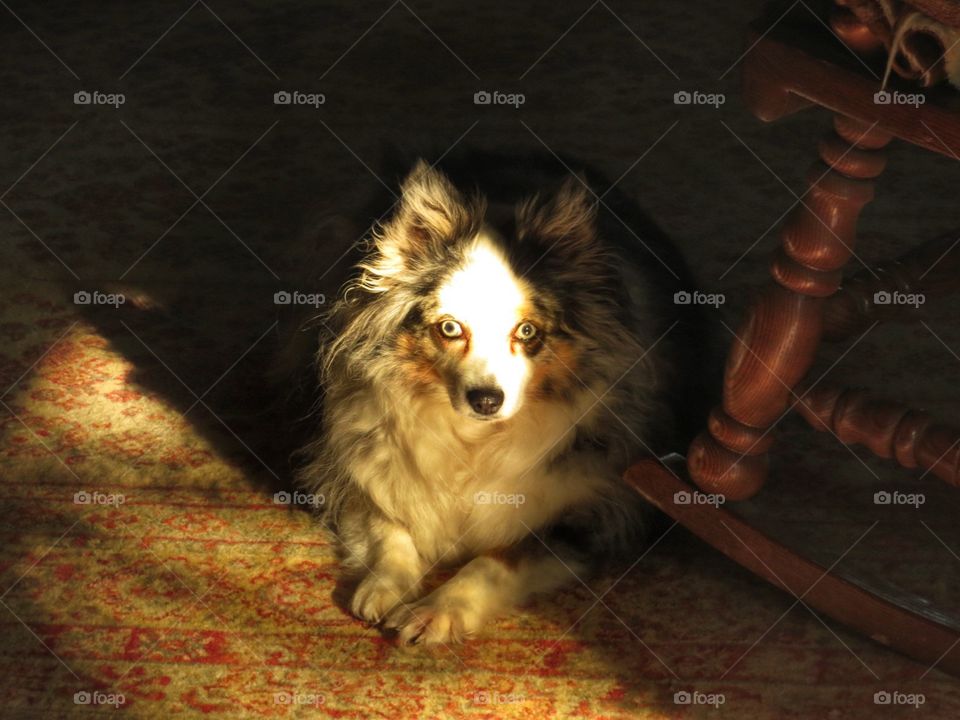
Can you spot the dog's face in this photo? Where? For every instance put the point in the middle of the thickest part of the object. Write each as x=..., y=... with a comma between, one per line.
x=487, y=333
x=487, y=304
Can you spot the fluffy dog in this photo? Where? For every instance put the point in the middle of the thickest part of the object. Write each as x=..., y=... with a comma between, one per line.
x=507, y=346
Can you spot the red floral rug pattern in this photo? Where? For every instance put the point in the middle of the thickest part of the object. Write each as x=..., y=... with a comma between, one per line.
x=143, y=571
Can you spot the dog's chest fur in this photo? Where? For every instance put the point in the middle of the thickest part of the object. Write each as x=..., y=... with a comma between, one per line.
x=463, y=489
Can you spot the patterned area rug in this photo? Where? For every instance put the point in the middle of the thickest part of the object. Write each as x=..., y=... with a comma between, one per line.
x=154, y=561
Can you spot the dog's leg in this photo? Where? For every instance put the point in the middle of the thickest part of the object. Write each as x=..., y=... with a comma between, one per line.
x=394, y=572
x=482, y=588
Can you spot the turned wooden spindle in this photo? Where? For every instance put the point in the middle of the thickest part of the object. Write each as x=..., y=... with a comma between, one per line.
x=888, y=429
x=925, y=273
x=776, y=346
x=854, y=34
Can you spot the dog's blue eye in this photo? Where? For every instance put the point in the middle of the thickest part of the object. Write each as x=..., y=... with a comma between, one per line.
x=451, y=329
x=525, y=331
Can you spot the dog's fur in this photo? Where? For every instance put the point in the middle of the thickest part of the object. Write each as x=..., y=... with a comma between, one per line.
x=413, y=474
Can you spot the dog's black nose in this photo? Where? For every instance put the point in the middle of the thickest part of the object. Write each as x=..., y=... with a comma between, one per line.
x=485, y=401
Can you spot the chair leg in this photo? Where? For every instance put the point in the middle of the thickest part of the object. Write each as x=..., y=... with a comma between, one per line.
x=777, y=345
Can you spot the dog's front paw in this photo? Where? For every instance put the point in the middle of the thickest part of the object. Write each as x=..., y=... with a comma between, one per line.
x=435, y=621
x=377, y=595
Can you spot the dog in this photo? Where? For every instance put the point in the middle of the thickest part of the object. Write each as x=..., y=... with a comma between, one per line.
x=507, y=345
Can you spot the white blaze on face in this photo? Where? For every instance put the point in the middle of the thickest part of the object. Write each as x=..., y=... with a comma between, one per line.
x=487, y=299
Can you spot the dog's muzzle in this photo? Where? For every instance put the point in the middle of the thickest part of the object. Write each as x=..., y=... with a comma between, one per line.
x=485, y=401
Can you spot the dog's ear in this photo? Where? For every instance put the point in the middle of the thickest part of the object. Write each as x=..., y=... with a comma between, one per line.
x=430, y=213
x=566, y=220
x=431, y=210
x=574, y=212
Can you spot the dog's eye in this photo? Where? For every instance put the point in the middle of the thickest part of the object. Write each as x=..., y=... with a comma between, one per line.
x=451, y=329
x=525, y=331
